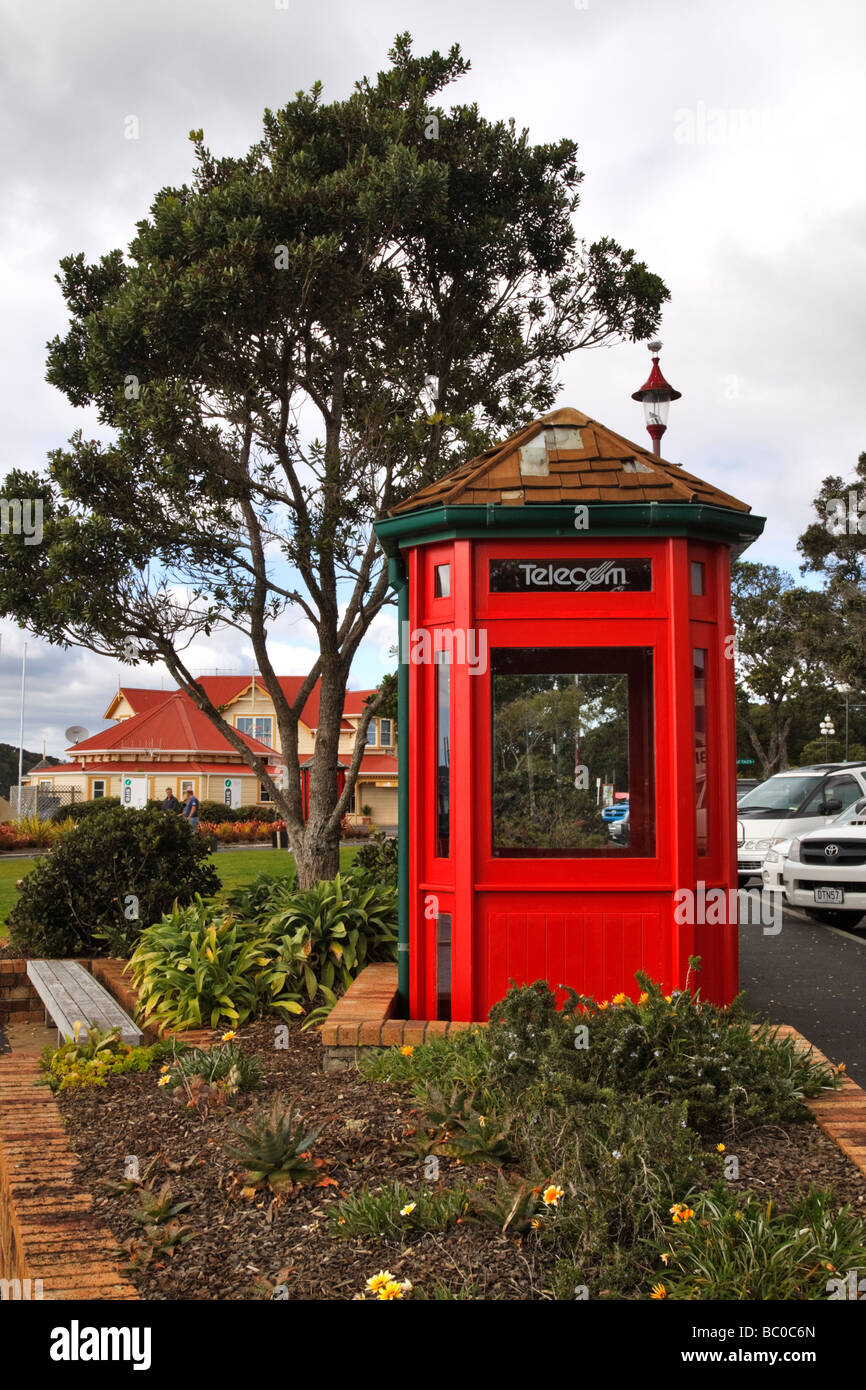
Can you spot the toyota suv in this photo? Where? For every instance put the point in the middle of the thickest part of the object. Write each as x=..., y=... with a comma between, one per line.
x=824, y=871
x=790, y=804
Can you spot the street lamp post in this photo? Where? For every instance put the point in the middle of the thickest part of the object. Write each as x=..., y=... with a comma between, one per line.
x=827, y=729
x=656, y=395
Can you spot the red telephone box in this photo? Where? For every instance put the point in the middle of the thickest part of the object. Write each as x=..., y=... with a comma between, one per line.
x=566, y=732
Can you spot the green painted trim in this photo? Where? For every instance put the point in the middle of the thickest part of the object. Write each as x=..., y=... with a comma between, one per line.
x=696, y=520
x=399, y=581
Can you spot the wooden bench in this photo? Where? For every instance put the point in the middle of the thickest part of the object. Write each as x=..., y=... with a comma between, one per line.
x=71, y=995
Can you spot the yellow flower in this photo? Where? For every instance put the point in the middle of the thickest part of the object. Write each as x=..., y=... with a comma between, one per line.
x=164, y=1080
x=408, y=1209
x=227, y=1037
x=668, y=998
x=665, y=1257
x=380, y=1280
x=642, y=998
x=535, y=1223
x=603, y=1004
x=407, y=1050
x=659, y=1291
x=841, y=1066
x=682, y=1214
x=165, y=1067
x=551, y=1195
x=720, y=1148
x=619, y=998
x=391, y=1290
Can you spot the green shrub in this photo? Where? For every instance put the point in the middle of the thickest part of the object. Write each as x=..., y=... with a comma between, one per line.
x=663, y=1048
x=79, y=810
x=116, y=872
x=265, y=895
x=376, y=861
x=346, y=924
x=462, y=1060
x=89, y=1060
x=735, y=1246
x=199, y=965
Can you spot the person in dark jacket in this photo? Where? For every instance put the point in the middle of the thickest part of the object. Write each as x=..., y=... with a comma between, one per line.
x=190, y=809
x=171, y=802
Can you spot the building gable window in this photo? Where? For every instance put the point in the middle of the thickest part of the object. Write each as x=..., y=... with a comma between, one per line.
x=259, y=726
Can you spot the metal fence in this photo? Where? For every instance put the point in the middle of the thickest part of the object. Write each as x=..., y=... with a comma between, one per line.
x=42, y=801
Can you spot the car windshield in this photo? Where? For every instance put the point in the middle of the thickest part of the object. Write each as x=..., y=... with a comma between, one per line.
x=783, y=794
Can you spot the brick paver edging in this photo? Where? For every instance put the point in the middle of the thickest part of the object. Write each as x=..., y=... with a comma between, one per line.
x=48, y=1231
x=364, y=1017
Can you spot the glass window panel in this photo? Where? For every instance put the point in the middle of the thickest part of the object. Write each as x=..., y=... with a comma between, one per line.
x=371, y=732
x=572, y=752
x=443, y=965
x=385, y=733
x=256, y=726
x=443, y=755
x=442, y=581
x=698, y=577
x=702, y=807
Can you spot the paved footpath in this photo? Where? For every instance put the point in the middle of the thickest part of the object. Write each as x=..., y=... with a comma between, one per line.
x=813, y=977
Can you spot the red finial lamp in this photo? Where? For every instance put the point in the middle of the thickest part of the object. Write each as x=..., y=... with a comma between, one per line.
x=656, y=396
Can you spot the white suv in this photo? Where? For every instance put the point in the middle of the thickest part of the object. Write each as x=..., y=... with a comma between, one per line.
x=791, y=804
x=824, y=871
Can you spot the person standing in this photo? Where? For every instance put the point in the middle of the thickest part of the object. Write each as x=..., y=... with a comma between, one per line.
x=190, y=809
x=171, y=802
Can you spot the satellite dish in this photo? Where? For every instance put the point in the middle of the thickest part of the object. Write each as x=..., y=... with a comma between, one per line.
x=76, y=732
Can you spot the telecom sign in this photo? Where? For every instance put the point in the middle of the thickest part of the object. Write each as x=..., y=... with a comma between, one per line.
x=567, y=576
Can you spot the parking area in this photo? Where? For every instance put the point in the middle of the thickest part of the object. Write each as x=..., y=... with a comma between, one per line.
x=813, y=977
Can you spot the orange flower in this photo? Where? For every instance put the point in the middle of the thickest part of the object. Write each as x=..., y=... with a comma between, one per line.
x=642, y=998
x=551, y=1195
x=603, y=1004
x=659, y=1291
x=619, y=998
x=406, y=1050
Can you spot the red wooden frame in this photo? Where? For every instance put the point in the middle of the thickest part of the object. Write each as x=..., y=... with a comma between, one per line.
x=583, y=921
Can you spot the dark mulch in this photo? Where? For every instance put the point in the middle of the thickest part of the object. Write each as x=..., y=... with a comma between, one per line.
x=244, y=1246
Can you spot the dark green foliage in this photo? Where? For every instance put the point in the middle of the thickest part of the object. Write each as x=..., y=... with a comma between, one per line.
x=216, y=813
x=684, y=1049
x=79, y=899
x=376, y=861
x=9, y=766
x=80, y=810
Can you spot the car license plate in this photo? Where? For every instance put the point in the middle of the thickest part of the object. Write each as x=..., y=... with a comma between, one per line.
x=835, y=896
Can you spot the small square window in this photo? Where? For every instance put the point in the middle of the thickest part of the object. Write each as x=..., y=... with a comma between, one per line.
x=442, y=581
x=698, y=577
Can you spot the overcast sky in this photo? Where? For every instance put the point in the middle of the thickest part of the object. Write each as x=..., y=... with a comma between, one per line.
x=725, y=143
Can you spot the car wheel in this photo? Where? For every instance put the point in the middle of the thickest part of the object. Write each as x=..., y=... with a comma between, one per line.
x=833, y=918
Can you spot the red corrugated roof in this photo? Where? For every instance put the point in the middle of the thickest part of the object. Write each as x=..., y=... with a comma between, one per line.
x=378, y=764
x=175, y=725
x=224, y=690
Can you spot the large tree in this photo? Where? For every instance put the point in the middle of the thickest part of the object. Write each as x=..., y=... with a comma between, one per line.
x=834, y=546
x=784, y=641
x=295, y=340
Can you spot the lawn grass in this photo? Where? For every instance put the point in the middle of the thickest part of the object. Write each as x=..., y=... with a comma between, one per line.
x=235, y=868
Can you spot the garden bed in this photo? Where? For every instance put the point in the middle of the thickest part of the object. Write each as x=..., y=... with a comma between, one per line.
x=246, y=1244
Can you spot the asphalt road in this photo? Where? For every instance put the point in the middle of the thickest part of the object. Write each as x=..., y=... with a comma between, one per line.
x=813, y=977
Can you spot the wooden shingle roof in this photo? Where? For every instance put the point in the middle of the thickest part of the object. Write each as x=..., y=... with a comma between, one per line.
x=566, y=457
